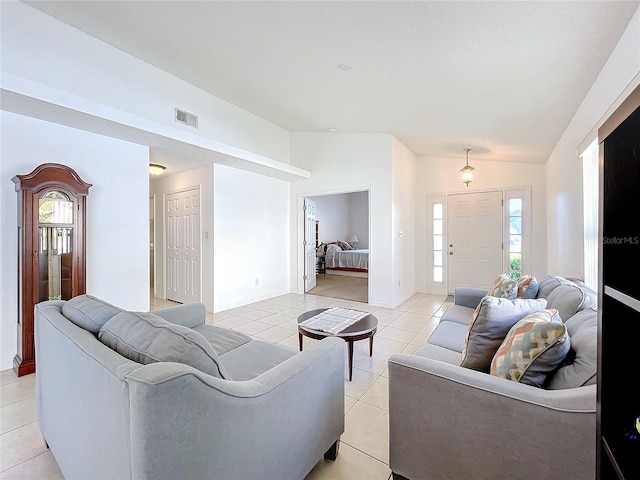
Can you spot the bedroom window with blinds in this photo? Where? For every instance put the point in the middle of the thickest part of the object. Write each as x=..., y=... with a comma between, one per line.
x=438, y=235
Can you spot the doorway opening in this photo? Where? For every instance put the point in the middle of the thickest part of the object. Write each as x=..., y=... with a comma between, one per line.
x=337, y=246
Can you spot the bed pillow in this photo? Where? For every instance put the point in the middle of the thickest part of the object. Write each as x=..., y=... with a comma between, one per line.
x=504, y=287
x=331, y=249
x=344, y=245
x=489, y=324
x=146, y=338
x=532, y=349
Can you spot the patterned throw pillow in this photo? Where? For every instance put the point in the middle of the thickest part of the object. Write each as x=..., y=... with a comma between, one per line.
x=489, y=324
x=532, y=349
x=527, y=286
x=504, y=287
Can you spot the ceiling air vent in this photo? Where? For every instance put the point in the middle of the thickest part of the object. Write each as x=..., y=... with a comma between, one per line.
x=186, y=118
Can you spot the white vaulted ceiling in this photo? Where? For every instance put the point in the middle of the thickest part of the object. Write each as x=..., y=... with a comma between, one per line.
x=503, y=77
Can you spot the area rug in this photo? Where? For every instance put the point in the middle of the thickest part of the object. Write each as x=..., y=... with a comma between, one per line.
x=341, y=286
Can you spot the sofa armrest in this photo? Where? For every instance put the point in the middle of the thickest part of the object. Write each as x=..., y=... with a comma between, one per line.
x=451, y=422
x=468, y=296
x=277, y=425
x=188, y=314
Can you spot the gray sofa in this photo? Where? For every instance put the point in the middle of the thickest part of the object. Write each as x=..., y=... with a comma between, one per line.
x=451, y=422
x=261, y=411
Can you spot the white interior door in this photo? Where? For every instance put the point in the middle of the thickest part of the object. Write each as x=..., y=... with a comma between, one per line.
x=309, y=244
x=475, y=239
x=182, y=220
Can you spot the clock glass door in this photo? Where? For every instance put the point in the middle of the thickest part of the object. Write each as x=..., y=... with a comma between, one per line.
x=55, y=246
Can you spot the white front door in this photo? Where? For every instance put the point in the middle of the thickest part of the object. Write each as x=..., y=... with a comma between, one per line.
x=309, y=244
x=182, y=220
x=475, y=239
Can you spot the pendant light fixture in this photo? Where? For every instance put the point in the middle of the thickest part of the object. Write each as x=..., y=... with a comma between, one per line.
x=467, y=171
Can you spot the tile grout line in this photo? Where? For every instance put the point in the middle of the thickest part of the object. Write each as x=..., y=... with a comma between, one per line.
x=365, y=453
x=27, y=460
x=19, y=400
x=21, y=426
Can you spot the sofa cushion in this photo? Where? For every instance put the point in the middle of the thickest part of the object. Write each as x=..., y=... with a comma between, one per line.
x=436, y=352
x=450, y=335
x=457, y=313
x=532, y=349
x=489, y=325
x=547, y=284
x=89, y=312
x=527, y=287
x=254, y=358
x=504, y=287
x=570, y=298
x=146, y=338
x=580, y=366
x=221, y=339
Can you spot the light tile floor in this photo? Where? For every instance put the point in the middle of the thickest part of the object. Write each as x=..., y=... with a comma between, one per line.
x=364, y=447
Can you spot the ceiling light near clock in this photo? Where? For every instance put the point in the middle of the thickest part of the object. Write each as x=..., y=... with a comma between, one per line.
x=156, y=169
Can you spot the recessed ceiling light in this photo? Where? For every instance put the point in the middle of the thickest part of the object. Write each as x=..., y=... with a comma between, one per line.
x=333, y=130
x=345, y=67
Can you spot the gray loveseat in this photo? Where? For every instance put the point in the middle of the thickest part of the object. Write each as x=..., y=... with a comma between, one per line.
x=451, y=422
x=261, y=411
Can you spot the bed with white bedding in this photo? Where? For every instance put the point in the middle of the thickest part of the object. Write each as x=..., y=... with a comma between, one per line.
x=354, y=260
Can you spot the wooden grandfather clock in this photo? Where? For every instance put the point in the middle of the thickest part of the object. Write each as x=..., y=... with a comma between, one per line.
x=51, y=247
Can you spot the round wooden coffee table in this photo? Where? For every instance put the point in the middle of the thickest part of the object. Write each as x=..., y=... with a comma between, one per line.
x=366, y=327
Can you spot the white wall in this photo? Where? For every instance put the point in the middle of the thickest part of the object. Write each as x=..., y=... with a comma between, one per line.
x=359, y=208
x=245, y=234
x=251, y=237
x=117, y=212
x=342, y=215
x=442, y=175
x=618, y=77
x=201, y=178
x=39, y=48
x=333, y=216
x=340, y=163
x=403, y=221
